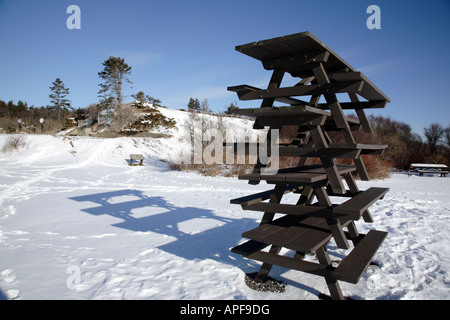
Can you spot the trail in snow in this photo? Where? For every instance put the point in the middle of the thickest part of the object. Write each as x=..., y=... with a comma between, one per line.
x=76, y=222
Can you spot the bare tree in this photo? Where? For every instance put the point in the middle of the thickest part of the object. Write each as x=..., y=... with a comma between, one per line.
x=204, y=106
x=434, y=134
x=447, y=136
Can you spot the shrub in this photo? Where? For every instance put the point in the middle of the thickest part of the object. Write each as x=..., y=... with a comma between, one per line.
x=15, y=142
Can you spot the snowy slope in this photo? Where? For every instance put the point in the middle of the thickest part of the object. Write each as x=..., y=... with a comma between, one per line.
x=76, y=222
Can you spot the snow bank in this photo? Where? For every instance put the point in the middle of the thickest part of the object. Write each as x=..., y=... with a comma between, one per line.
x=76, y=222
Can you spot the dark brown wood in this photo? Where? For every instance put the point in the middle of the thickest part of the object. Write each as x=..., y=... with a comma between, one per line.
x=361, y=202
x=291, y=263
x=275, y=81
x=360, y=113
x=242, y=89
x=247, y=248
x=333, y=285
x=290, y=209
x=308, y=226
x=351, y=105
x=354, y=265
x=295, y=60
x=314, y=89
x=306, y=43
x=295, y=110
x=266, y=266
x=260, y=196
x=307, y=177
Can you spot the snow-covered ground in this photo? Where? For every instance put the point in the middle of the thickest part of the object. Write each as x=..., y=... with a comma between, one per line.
x=76, y=222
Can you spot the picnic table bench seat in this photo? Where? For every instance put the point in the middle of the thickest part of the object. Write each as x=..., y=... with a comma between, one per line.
x=353, y=266
x=307, y=236
x=337, y=150
x=355, y=206
x=442, y=173
x=260, y=196
x=305, y=175
x=351, y=209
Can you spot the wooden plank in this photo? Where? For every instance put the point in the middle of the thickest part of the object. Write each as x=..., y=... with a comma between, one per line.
x=361, y=202
x=333, y=223
x=248, y=247
x=354, y=265
x=293, y=120
x=318, y=153
x=242, y=89
x=293, y=232
x=351, y=105
x=308, y=174
x=290, y=209
x=330, y=97
x=333, y=175
x=296, y=60
x=361, y=169
x=255, y=51
x=261, y=165
x=291, y=263
x=338, y=233
x=284, y=237
x=307, y=43
x=317, y=236
x=262, y=232
x=313, y=89
x=360, y=113
x=275, y=81
x=260, y=196
x=300, y=110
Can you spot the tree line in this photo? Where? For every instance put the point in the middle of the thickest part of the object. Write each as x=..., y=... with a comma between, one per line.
x=405, y=146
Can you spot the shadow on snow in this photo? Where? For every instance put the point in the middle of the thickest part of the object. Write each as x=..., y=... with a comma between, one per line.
x=213, y=242
x=214, y=239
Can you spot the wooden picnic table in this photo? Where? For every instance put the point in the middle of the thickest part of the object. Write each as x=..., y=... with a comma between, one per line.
x=136, y=157
x=308, y=226
x=422, y=168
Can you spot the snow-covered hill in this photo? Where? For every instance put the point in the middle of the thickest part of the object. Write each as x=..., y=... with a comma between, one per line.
x=76, y=222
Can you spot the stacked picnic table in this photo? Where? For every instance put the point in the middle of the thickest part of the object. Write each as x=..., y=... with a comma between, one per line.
x=308, y=226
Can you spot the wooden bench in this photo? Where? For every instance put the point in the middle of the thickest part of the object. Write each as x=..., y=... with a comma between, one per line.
x=357, y=205
x=355, y=264
x=308, y=235
x=260, y=196
x=440, y=172
x=136, y=157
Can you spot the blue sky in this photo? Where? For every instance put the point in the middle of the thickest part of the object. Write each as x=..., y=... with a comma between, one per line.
x=183, y=49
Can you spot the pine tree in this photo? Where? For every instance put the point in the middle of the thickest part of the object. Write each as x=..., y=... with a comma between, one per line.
x=140, y=96
x=194, y=104
x=58, y=99
x=115, y=73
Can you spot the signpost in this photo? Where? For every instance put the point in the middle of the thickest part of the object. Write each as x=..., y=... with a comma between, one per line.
x=41, y=120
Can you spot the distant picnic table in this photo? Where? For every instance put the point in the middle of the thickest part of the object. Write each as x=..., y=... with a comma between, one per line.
x=430, y=168
x=136, y=157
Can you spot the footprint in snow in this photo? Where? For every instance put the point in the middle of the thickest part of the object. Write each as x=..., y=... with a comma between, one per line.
x=7, y=276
